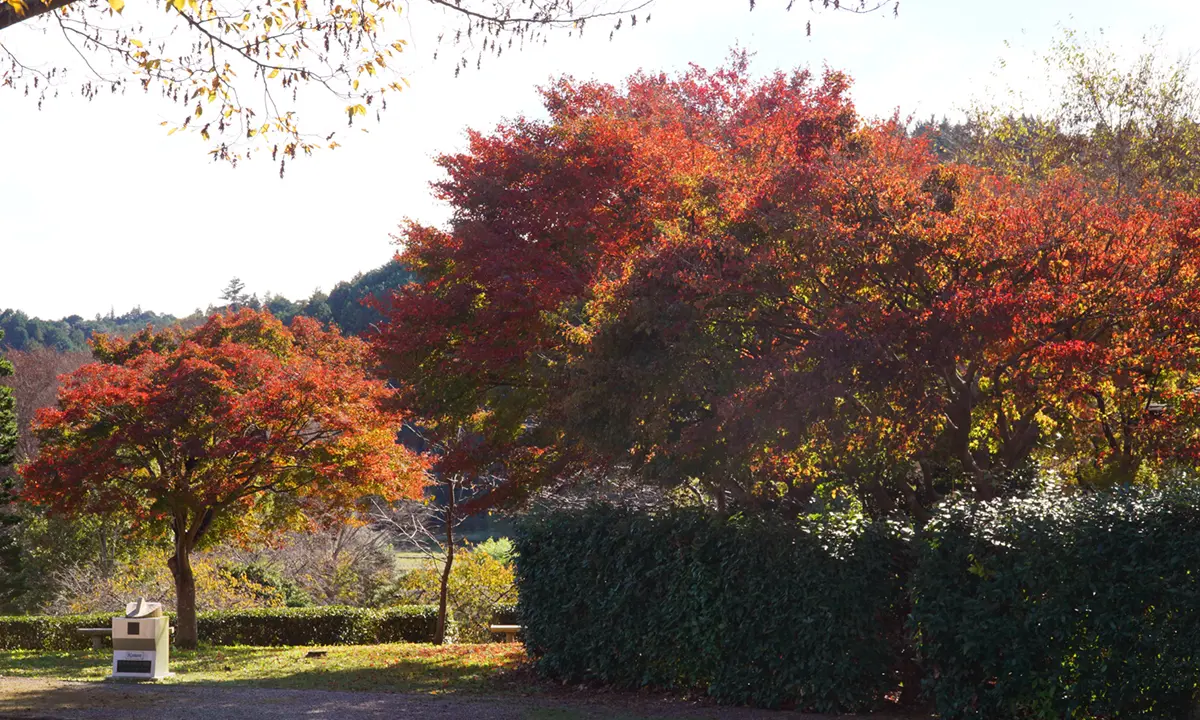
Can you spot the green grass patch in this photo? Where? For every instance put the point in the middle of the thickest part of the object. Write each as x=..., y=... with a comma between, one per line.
x=402, y=667
x=411, y=560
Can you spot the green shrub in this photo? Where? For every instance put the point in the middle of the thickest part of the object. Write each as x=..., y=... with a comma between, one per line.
x=506, y=614
x=750, y=611
x=1056, y=607
x=265, y=627
x=48, y=632
x=478, y=582
x=262, y=574
x=411, y=623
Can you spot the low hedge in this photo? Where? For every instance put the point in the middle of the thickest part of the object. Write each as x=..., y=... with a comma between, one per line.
x=1063, y=607
x=749, y=611
x=265, y=627
x=332, y=625
x=48, y=632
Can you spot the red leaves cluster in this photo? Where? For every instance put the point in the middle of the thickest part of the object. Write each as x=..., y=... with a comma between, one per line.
x=743, y=284
x=234, y=421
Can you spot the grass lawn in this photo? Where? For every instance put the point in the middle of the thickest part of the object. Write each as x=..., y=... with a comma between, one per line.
x=467, y=671
x=405, y=667
x=411, y=560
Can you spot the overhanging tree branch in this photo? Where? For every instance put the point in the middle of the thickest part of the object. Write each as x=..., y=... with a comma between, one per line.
x=9, y=15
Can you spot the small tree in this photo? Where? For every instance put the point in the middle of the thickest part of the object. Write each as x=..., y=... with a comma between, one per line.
x=429, y=525
x=240, y=423
x=419, y=524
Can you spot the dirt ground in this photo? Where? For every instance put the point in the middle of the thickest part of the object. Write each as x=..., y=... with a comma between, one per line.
x=39, y=699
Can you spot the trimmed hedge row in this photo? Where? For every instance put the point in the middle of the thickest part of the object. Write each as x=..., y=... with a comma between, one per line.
x=48, y=632
x=1047, y=608
x=1052, y=607
x=284, y=626
x=749, y=611
x=332, y=625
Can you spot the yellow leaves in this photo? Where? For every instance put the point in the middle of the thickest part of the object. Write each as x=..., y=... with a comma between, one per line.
x=274, y=73
x=132, y=41
x=18, y=6
x=116, y=5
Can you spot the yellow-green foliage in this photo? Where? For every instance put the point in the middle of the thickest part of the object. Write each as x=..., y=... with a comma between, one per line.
x=480, y=579
x=93, y=590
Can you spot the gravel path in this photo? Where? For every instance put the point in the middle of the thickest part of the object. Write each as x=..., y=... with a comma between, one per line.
x=36, y=699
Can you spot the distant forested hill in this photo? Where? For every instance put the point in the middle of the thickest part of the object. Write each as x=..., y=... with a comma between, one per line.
x=342, y=307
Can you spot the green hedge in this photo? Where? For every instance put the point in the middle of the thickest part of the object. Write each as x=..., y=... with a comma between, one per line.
x=48, y=632
x=749, y=611
x=286, y=626
x=1085, y=606
x=506, y=614
x=318, y=626
x=1049, y=608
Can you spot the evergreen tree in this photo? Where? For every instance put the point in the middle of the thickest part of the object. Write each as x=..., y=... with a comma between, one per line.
x=11, y=584
x=235, y=293
x=8, y=416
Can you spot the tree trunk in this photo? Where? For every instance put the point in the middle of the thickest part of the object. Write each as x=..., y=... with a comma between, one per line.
x=439, y=637
x=186, y=632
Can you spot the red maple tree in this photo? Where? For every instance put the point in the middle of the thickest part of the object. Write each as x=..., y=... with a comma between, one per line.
x=741, y=286
x=241, y=422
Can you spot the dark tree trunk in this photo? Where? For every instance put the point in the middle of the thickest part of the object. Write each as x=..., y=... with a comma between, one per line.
x=186, y=633
x=439, y=636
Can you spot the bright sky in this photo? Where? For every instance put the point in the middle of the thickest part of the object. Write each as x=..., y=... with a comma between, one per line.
x=100, y=210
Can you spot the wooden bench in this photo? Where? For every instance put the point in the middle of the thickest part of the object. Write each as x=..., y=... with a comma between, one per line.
x=96, y=634
x=509, y=631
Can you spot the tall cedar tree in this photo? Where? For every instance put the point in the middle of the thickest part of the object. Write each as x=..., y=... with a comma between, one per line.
x=209, y=433
x=8, y=448
x=742, y=286
x=8, y=419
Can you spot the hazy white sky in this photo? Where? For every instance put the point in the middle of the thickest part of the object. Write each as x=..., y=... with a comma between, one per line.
x=100, y=210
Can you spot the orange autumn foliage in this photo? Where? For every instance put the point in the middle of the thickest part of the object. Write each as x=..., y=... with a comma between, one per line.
x=740, y=285
x=208, y=432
